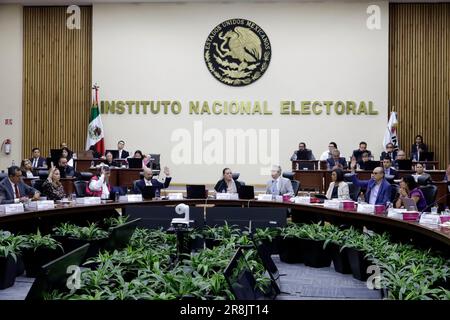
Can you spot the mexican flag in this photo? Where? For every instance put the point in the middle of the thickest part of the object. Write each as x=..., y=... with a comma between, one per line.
x=95, y=134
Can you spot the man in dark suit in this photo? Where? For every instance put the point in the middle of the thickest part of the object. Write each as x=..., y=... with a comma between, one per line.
x=390, y=152
x=65, y=170
x=14, y=190
x=378, y=190
x=122, y=154
x=149, y=181
x=302, y=153
x=387, y=167
x=37, y=161
x=336, y=161
x=357, y=154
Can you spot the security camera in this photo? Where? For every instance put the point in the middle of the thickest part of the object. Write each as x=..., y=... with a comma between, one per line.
x=181, y=209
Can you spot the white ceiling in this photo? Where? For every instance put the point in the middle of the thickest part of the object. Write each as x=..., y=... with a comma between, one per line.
x=85, y=2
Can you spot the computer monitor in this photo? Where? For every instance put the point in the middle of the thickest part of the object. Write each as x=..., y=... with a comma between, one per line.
x=115, y=153
x=134, y=163
x=426, y=156
x=303, y=155
x=54, y=274
x=195, y=191
x=306, y=165
x=148, y=193
x=370, y=165
x=246, y=192
x=121, y=234
x=404, y=165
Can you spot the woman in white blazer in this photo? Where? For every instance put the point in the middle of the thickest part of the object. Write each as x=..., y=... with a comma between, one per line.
x=338, y=187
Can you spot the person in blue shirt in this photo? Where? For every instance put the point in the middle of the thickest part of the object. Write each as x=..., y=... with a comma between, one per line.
x=378, y=190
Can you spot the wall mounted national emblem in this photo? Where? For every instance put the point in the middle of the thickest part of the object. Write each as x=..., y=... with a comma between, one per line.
x=237, y=52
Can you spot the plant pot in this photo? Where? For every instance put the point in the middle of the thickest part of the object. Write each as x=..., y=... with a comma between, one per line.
x=358, y=263
x=314, y=255
x=35, y=259
x=20, y=265
x=94, y=246
x=290, y=250
x=340, y=258
x=444, y=283
x=211, y=243
x=270, y=246
x=8, y=272
x=195, y=244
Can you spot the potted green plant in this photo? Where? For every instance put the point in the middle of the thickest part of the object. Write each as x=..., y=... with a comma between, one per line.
x=268, y=238
x=338, y=255
x=356, y=246
x=8, y=265
x=39, y=250
x=290, y=244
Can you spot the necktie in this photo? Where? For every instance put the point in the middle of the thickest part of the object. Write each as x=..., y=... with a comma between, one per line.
x=16, y=189
x=35, y=163
x=274, y=187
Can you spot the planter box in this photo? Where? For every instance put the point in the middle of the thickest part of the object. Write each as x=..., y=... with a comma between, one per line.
x=196, y=244
x=314, y=255
x=211, y=243
x=34, y=259
x=290, y=250
x=271, y=247
x=20, y=265
x=8, y=272
x=358, y=264
x=340, y=259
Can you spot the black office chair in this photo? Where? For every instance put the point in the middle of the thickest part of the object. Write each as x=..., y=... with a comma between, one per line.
x=133, y=190
x=289, y=175
x=155, y=164
x=430, y=193
x=80, y=188
x=389, y=178
x=295, y=186
x=236, y=175
x=348, y=177
x=3, y=176
x=37, y=184
x=353, y=191
x=423, y=180
x=85, y=176
x=43, y=174
x=395, y=188
x=241, y=182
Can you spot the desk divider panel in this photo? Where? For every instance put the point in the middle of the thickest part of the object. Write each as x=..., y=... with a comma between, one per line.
x=155, y=217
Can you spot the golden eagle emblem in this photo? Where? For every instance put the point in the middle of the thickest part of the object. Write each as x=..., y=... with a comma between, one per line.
x=237, y=52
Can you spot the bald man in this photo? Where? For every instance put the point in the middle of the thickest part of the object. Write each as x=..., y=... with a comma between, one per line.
x=149, y=181
x=378, y=190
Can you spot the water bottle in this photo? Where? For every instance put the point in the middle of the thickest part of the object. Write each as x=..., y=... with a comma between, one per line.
x=74, y=197
x=157, y=194
x=116, y=197
x=447, y=211
x=13, y=163
x=361, y=198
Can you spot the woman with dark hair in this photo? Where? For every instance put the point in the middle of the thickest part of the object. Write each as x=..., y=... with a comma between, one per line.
x=338, y=187
x=138, y=154
x=418, y=147
x=227, y=183
x=66, y=153
x=410, y=189
x=109, y=160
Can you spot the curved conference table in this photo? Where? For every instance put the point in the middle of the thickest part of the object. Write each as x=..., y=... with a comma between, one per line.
x=435, y=237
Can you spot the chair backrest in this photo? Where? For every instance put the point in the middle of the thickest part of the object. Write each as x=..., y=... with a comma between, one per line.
x=43, y=174
x=85, y=176
x=37, y=184
x=289, y=175
x=423, y=180
x=353, y=191
x=3, y=175
x=236, y=175
x=430, y=193
x=295, y=186
x=395, y=188
x=156, y=164
x=80, y=188
x=135, y=185
x=348, y=177
x=389, y=178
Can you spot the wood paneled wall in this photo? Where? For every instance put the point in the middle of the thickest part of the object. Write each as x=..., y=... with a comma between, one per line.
x=57, y=79
x=419, y=75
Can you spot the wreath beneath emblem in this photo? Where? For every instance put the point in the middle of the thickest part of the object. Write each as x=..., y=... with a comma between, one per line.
x=237, y=52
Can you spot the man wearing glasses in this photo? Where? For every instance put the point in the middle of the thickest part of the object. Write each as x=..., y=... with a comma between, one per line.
x=390, y=152
x=378, y=190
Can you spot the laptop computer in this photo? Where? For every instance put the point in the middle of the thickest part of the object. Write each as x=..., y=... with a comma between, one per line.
x=426, y=156
x=246, y=192
x=134, y=163
x=54, y=275
x=306, y=165
x=370, y=165
x=195, y=191
x=409, y=204
x=148, y=193
x=404, y=164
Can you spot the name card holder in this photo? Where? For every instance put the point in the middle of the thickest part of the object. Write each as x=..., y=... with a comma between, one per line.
x=396, y=213
x=89, y=200
x=332, y=204
x=427, y=218
x=269, y=197
x=131, y=198
x=11, y=208
x=366, y=208
x=42, y=205
x=302, y=200
x=175, y=196
x=227, y=196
